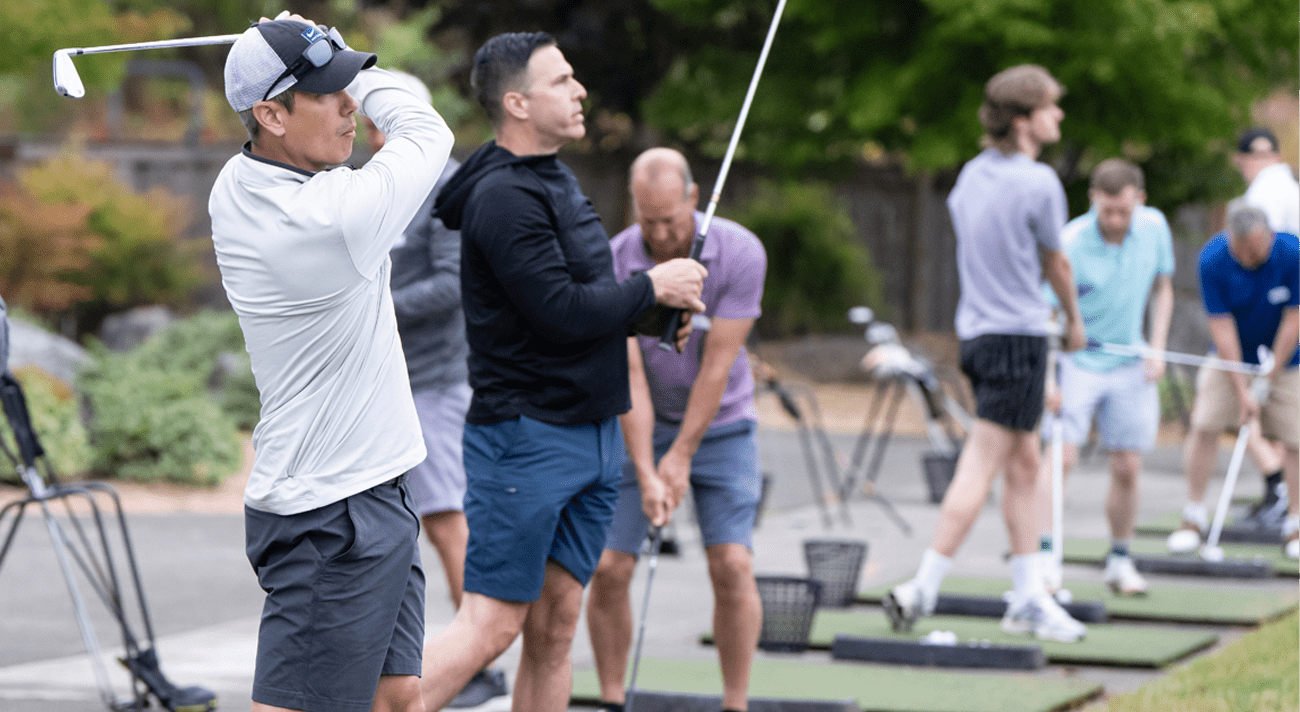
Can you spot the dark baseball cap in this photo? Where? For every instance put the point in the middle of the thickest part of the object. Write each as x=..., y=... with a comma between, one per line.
x=273, y=56
x=1249, y=142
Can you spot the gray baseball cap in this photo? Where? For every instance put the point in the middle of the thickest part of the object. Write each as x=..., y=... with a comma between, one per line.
x=273, y=56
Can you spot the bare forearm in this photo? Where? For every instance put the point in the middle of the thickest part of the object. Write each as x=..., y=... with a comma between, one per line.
x=1061, y=276
x=721, y=348
x=1223, y=331
x=1162, y=313
x=1284, y=344
x=638, y=423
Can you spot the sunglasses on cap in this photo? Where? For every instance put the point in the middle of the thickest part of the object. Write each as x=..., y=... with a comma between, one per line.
x=322, y=44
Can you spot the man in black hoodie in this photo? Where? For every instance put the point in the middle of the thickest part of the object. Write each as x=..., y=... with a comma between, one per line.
x=547, y=324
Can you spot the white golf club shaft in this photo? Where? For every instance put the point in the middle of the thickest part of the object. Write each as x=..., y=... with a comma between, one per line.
x=1058, y=491
x=1249, y=369
x=656, y=541
x=1229, y=484
x=159, y=44
x=668, y=340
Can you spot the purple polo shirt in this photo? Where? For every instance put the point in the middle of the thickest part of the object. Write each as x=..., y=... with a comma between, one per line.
x=737, y=264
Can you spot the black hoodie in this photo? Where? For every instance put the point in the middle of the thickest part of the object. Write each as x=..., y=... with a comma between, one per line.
x=545, y=318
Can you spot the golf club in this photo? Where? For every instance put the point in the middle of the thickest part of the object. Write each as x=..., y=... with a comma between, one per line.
x=68, y=83
x=668, y=341
x=1249, y=369
x=656, y=539
x=1259, y=389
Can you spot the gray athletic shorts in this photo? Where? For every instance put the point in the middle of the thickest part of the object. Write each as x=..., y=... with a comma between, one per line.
x=344, y=599
x=438, y=482
x=725, y=485
x=1125, y=403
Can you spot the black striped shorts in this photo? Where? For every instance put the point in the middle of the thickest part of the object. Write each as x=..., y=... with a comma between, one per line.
x=1008, y=373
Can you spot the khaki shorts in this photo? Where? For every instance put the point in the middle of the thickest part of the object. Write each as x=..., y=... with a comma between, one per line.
x=1217, y=408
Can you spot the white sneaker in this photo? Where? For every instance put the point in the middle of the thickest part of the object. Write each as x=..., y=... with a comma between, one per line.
x=1292, y=549
x=1123, y=577
x=904, y=604
x=1044, y=617
x=1186, y=538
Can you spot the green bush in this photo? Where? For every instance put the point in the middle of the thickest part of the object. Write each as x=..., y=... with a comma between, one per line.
x=816, y=268
x=1176, y=396
x=160, y=411
x=57, y=422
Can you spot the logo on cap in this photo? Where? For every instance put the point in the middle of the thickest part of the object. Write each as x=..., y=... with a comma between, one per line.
x=311, y=34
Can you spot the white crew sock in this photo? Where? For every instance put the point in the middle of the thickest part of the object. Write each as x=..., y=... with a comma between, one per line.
x=1195, y=513
x=1027, y=575
x=929, y=577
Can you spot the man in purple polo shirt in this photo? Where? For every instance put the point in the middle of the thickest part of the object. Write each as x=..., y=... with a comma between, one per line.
x=692, y=422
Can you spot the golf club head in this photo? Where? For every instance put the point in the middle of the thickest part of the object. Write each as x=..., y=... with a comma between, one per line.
x=1212, y=553
x=861, y=315
x=66, y=80
x=882, y=333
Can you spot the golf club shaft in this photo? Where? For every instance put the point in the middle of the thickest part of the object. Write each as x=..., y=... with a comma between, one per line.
x=669, y=339
x=1058, y=464
x=160, y=44
x=656, y=540
x=1229, y=484
x=1249, y=369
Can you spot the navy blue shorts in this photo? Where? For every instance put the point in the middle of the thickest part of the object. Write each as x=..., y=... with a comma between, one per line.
x=537, y=492
x=1008, y=373
x=344, y=599
x=725, y=485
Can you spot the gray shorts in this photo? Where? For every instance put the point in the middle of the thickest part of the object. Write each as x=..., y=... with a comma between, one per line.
x=438, y=482
x=344, y=599
x=1125, y=403
x=725, y=485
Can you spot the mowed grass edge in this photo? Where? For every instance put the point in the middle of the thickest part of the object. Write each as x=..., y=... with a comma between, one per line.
x=1259, y=673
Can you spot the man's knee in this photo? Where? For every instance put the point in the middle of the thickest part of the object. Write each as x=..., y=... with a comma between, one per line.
x=1124, y=468
x=613, y=575
x=731, y=569
x=398, y=693
x=494, y=623
x=553, y=618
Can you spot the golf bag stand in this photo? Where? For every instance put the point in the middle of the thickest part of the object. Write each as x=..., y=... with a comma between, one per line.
x=85, y=538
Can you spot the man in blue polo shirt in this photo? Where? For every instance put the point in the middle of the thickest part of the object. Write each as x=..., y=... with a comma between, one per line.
x=1250, y=282
x=1121, y=251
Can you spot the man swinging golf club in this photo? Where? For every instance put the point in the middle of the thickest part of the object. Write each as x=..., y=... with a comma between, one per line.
x=547, y=324
x=692, y=423
x=1250, y=283
x=302, y=243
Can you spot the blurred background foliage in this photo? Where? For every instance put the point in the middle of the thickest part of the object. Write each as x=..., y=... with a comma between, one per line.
x=76, y=244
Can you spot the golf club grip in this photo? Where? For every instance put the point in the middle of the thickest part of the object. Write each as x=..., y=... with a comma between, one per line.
x=668, y=342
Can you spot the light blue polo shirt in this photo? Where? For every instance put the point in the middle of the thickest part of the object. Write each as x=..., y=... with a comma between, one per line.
x=1115, y=280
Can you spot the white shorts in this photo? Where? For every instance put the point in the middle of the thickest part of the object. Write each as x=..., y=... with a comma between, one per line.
x=1125, y=404
x=438, y=483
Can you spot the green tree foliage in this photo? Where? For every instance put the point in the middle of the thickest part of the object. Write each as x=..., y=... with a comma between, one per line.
x=815, y=265
x=1164, y=82
x=56, y=420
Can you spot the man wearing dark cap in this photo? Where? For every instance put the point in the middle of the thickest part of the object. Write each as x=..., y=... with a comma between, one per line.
x=547, y=324
x=303, y=247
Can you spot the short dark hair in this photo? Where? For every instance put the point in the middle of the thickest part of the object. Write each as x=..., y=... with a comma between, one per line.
x=500, y=64
x=1013, y=92
x=254, y=129
x=1112, y=175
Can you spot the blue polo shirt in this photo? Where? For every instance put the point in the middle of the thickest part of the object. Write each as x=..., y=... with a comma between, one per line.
x=1114, y=280
x=1255, y=298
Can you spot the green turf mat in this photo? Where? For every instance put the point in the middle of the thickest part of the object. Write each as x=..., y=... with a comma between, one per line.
x=1093, y=551
x=1165, y=524
x=1167, y=600
x=876, y=688
x=1115, y=644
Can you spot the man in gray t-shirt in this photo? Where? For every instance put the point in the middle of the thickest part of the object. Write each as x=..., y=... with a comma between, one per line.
x=1007, y=211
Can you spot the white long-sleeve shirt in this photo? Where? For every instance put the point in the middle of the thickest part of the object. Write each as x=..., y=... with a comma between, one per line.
x=304, y=261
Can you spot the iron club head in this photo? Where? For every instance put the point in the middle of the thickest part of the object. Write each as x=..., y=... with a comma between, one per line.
x=1212, y=553
x=66, y=80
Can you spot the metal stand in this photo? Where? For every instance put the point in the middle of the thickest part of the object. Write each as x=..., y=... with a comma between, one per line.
x=91, y=553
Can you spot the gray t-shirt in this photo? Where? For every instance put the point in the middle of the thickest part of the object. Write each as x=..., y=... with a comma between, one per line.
x=1005, y=208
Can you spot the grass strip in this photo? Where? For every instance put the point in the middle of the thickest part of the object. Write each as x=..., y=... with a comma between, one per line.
x=1259, y=673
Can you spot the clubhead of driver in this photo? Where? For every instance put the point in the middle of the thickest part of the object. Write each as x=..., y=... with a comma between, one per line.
x=1212, y=553
x=66, y=80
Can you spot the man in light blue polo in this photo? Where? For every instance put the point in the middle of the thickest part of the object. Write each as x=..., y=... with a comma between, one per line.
x=1121, y=251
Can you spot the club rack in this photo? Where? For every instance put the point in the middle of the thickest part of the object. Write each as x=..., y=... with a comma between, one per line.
x=89, y=534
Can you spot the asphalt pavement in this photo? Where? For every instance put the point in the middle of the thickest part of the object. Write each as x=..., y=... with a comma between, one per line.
x=205, y=602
